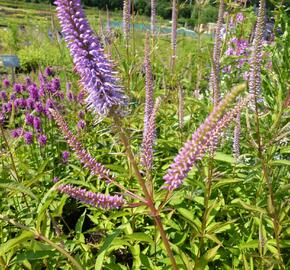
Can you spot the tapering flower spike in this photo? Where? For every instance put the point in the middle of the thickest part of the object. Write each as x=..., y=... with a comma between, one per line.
x=215, y=70
x=94, y=67
x=174, y=33
x=237, y=133
x=153, y=16
x=88, y=161
x=126, y=19
x=149, y=137
x=149, y=103
x=256, y=58
x=94, y=199
x=196, y=147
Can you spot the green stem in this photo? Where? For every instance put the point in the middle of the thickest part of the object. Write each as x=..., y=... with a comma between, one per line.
x=154, y=212
x=39, y=236
x=271, y=208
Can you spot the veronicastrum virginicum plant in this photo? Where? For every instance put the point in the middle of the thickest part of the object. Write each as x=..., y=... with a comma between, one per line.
x=209, y=214
x=105, y=97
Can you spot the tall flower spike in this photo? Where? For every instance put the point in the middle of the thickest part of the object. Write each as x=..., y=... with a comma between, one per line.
x=153, y=16
x=94, y=199
x=237, y=133
x=95, y=69
x=256, y=58
x=126, y=19
x=149, y=103
x=215, y=70
x=88, y=161
x=149, y=137
x=174, y=33
x=196, y=147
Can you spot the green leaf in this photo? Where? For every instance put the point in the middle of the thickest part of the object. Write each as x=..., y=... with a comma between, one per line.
x=15, y=186
x=79, y=225
x=250, y=244
x=188, y=215
x=224, y=182
x=211, y=254
x=139, y=236
x=249, y=206
x=280, y=162
x=224, y=157
x=25, y=235
x=104, y=248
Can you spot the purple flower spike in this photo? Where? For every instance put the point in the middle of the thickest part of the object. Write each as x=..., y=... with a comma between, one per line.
x=65, y=157
x=148, y=140
x=3, y=96
x=89, y=162
x=6, y=83
x=48, y=71
x=94, y=199
x=17, y=88
x=37, y=124
x=29, y=119
x=195, y=148
x=81, y=114
x=55, y=84
x=42, y=140
x=28, y=137
x=33, y=92
x=94, y=67
x=16, y=133
x=81, y=124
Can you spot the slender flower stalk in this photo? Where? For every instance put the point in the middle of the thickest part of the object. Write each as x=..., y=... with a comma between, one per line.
x=153, y=16
x=89, y=162
x=126, y=19
x=149, y=137
x=215, y=70
x=196, y=147
x=256, y=58
x=85, y=158
x=94, y=199
x=108, y=28
x=180, y=106
x=174, y=33
x=94, y=67
x=237, y=133
x=149, y=103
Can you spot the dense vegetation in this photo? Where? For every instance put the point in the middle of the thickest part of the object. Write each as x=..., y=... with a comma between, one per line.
x=221, y=203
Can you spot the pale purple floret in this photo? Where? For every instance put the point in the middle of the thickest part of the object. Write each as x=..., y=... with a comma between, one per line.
x=91, y=198
x=96, y=71
x=239, y=17
x=55, y=179
x=42, y=139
